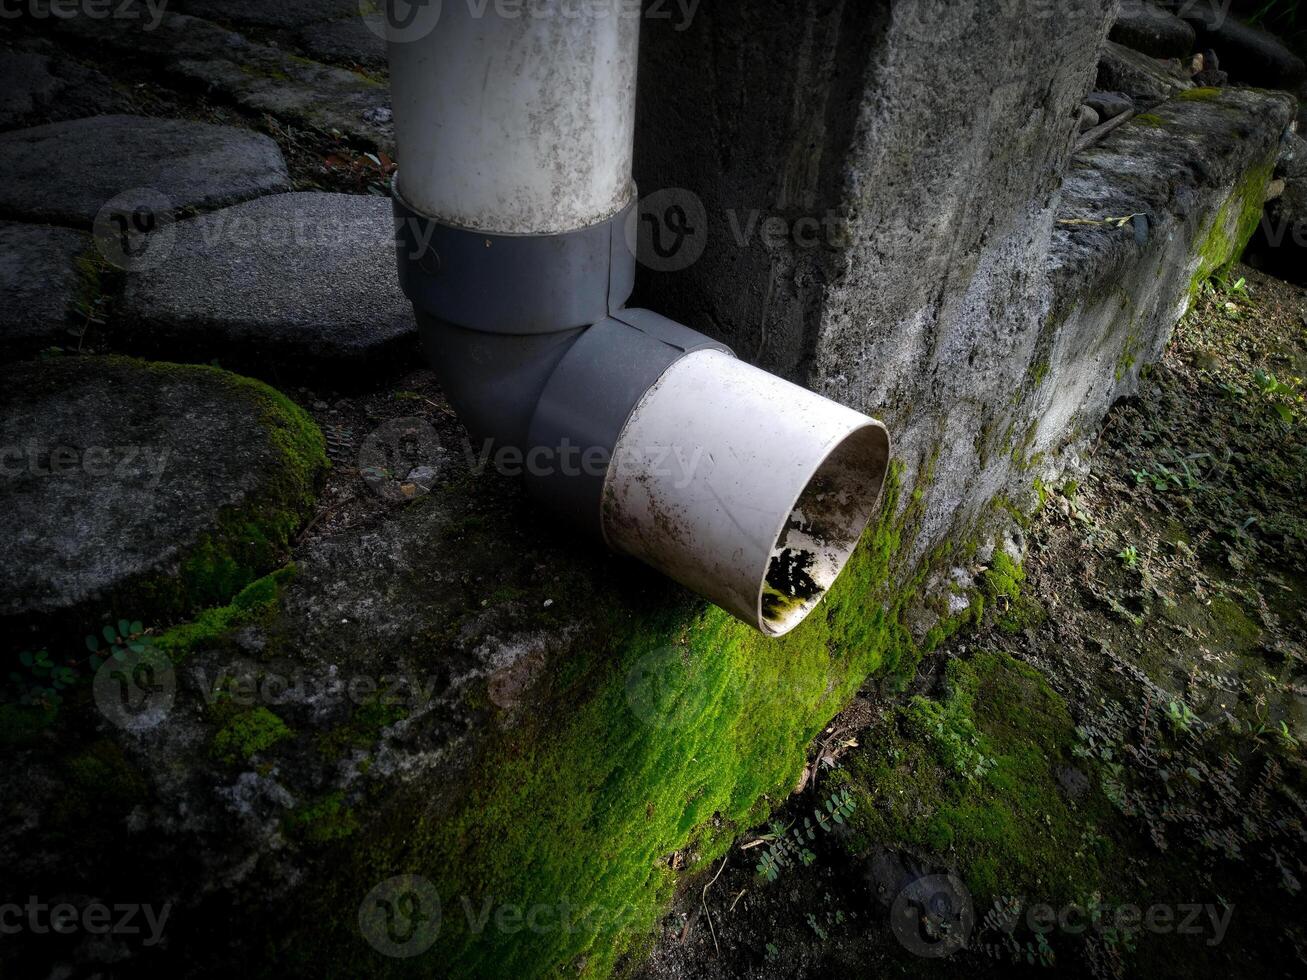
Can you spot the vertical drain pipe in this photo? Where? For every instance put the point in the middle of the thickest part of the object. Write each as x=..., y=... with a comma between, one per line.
x=512, y=202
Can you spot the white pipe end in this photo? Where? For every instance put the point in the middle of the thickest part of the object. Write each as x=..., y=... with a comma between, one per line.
x=750, y=490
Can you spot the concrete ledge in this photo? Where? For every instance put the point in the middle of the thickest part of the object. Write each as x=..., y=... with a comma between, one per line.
x=1196, y=170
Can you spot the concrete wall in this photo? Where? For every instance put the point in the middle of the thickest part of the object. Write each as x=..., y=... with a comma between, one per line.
x=928, y=141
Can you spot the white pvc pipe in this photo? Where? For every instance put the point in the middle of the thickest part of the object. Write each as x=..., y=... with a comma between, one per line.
x=518, y=124
x=744, y=487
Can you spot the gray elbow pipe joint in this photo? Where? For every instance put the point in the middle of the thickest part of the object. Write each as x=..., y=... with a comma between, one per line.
x=746, y=488
x=531, y=341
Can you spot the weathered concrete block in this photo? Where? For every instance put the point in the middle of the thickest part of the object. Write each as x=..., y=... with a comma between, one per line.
x=1196, y=169
x=920, y=296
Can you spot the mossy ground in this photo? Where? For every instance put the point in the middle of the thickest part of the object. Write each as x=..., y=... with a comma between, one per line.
x=691, y=727
x=1117, y=727
x=976, y=775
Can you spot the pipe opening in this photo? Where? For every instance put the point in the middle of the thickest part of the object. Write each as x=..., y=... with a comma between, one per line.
x=823, y=529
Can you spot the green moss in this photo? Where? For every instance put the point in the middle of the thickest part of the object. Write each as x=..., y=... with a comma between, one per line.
x=255, y=600
x=974, y=779
x=1222, y=241
x=247, y=540
x=247, y=734
x=326, y=820
x=362, y=729
x=1129, y=354
x=1003, y=577
x=1199, y=95
x=683, y=727
x=23, y=723
x=1149, y=119
x=102, y=773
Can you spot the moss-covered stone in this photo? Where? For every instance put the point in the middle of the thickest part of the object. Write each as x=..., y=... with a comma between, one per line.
x=255, y=600
x=326, y=820
x=1227, y=232
x=684, y=728
x=186, y=484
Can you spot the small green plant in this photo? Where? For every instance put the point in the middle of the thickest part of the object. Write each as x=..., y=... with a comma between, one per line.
x=118, y=641
x=45, y=681
x=996, y=936
x=1286, y=737
x=790, y=844
x=1129, y=556
x=1180, y=475
x=822, y=934
x=952, y=734
x=1180, y=717
x=1285, y=397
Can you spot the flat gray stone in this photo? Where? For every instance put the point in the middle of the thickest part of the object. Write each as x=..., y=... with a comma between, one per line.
x=1108, y=105
x=36, y=87
x=292, y=279
x=268, y=80
x=257, y=76
x=39, y=284
x=270, y=13
x=1142, y=78
x=119, y=471
x=1144, y=26
x=353, y=40
x=66, y=172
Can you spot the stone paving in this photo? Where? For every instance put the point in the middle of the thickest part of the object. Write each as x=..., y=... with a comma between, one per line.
x=258, y=76
x=40, y=285
x=290, y=279
x=67, y=172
